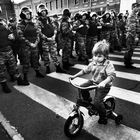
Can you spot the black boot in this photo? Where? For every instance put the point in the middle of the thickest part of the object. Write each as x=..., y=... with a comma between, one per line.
x=12, y=78
x=71, y=56
x=59, y=69
x=38, y=74
x=48, y=70
x=86, y=62
x=25, y=79
x=70, y=64
x=58, y=52
x=22, y=82
x=5, y=87
x=65, y=65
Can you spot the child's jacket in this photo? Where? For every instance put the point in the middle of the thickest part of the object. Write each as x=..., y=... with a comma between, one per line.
x=101, y=72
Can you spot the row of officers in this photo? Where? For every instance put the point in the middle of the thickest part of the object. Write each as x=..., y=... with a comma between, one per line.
x=41, y=37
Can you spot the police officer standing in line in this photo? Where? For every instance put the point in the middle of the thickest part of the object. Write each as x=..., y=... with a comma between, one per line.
x=66, y=37
x=14, y=43
x=29, y=37
x=131, y=36
x=7, y=59
x=48, y=34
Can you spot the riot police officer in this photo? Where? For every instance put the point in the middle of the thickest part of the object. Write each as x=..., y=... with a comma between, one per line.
x=29, y=37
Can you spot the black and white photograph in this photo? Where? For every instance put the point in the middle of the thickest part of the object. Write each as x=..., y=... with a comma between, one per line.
x=69, y=69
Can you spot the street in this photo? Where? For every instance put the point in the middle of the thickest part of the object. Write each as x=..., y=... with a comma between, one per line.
x=39, y=111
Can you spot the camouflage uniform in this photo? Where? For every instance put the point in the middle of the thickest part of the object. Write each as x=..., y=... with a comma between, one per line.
x=47, y=34
x=92, y=36
x=81, y=35
x=131, y=37
x=114, y=36
x=29, y=36
x=122, y=30
x=28, y=33
x=48, y=46
x=66, y=37
x=15, y=43
x=7, y=59
x=106, y=27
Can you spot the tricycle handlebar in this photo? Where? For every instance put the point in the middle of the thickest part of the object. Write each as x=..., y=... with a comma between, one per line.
x=75, y=84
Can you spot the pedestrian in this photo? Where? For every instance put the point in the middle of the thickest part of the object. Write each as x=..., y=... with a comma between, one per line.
x=48, y=34
x=7, y=59
x=29, y=36
x=103, y=73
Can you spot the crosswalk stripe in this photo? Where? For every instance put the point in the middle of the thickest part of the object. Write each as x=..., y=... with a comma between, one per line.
x=122, y=63
x=62, y=107
x=121, y=56
x=125, y=75
x=137, y=49
x=138, y=53
x=117, y=92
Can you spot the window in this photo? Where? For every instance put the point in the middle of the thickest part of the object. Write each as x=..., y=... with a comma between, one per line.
x=50, y=5
x=76, y=2
x=61, y=3
x=46, y=4
x=85, y=1
x=56, y=4
x=36, y=8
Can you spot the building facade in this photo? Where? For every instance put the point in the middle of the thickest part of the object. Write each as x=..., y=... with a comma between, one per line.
x=57, y=6
x=7, y=8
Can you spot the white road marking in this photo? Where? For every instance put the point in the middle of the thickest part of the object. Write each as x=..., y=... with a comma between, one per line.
x=121, y=56
x=137, y=49
x=122, y=63
x=10, y=129
x=62, y=106
x=125, y=75
x=117, y=92
x=134, y=52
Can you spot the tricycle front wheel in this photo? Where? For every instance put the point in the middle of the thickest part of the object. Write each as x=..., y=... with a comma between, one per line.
x=73, y=125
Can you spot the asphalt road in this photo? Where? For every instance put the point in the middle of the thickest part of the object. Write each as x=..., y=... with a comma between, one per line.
x=34, y=121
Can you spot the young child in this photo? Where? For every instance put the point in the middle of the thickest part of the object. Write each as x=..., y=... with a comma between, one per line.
x=103, y=73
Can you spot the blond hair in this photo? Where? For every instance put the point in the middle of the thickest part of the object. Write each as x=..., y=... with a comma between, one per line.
x=101, y=47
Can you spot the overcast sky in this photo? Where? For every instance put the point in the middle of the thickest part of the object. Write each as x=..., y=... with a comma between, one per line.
x=18, y=1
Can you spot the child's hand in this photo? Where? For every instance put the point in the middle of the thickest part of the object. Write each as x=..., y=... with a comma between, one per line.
x=101, y=85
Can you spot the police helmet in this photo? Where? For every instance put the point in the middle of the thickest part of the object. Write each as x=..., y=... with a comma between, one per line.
x=24, y=11
x=41, y=7
x=66, y=12
x=93, y=14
